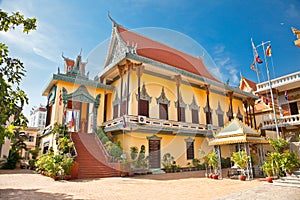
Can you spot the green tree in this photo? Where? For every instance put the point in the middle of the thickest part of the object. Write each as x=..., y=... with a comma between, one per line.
x=18, y=144
x=12, y=70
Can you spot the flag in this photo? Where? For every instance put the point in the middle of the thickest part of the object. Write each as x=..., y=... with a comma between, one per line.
x=258, y=60
x=256, y=56
x=124, y=122
x=60, y=98
x=253, y=67
x=268, y=50
x=267, y=101
x=286, y=95
x=72, y=122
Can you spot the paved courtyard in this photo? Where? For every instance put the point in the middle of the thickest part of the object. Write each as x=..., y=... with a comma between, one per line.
x=23, y=184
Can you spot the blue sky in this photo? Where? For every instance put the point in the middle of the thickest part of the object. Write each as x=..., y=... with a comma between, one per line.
x=223, y=28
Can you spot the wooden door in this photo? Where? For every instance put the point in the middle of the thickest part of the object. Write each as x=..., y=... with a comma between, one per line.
x=154, y=153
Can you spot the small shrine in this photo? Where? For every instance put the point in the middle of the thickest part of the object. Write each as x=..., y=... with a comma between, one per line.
x=236, y=132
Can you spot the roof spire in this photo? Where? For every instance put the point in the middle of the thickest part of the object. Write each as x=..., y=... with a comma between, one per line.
x=111, y=19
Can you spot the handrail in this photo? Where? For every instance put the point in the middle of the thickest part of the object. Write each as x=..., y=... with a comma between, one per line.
x=74, y=148
x=106, y=154
x=285, y=120
x=279, y=81
x=158, y=123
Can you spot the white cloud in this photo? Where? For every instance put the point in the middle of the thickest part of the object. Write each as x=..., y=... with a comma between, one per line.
x=225, y=66
x=292, y=11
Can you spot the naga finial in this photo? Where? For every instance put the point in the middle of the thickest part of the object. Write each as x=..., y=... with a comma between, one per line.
x=111, y=19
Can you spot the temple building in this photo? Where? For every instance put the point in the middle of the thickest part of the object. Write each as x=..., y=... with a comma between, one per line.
x=147, y=94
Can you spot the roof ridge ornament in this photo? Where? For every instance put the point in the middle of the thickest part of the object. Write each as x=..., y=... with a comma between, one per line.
x=111, y=19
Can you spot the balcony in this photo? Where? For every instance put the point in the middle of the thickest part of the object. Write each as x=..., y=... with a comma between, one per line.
x=158, y=125
x=290, y=79
x=291, y=122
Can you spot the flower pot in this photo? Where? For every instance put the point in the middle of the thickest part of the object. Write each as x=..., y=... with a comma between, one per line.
x=215, y=176
x=123, y=174
x=242, y=177
x=67, y=177
x=130, y=174
x=269, y=179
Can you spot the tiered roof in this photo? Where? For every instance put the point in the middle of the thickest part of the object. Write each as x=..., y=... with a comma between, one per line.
x=237, y=132
x=154, y=50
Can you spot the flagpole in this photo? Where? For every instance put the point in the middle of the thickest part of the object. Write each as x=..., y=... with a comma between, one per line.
x=270, y=85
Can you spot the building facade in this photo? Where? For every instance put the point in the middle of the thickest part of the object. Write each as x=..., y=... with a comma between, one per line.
x=287, y=100
x=148, y=94
x=37, y=117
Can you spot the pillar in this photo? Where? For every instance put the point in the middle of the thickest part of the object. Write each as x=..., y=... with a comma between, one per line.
x=129, y=68
x=208, y=104
x=121, y=69
x=139, y=72
x=178, y=82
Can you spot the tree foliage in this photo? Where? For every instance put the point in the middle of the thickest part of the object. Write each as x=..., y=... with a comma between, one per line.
x=12, y=70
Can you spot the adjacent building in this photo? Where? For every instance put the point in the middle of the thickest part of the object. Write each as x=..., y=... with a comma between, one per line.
x=37, y=117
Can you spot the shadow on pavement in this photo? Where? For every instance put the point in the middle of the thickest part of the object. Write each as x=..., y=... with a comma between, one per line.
x=30, y=194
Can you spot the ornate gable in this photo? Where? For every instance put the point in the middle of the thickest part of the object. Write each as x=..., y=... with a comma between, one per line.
x=162, y=98
x=194, y=105
x=182, y=104
x=219, y=110
x=81, y=94
x=144, y=95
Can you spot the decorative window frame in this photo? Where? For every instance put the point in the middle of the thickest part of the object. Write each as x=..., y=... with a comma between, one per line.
x=205, y=109
x=219, y=110
x=153, y=137
x=162, y=98
x=182, y=104
x=144, y=95
x=239, y=114
x=194, y=105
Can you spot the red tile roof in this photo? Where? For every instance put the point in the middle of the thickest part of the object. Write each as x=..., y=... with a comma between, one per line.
x=162, y=53
x=69, y=62
x=250, y=83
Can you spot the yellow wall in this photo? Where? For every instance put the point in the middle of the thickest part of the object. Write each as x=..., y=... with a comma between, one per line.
x=57, y=110
x=154, y=87
x=175, y=145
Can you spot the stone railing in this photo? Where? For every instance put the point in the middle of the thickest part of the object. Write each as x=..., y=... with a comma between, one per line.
x=108, y=157
x=285, y=121
x=279, y=81
x=159, y=123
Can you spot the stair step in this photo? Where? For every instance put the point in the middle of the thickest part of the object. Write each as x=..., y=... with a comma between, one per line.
x=92, y=163
x=293, y=181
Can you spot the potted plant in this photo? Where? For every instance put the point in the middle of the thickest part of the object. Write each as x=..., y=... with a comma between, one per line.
x=196, y=163
x=267, y=167
x=240, y=158
x=189, y=165
x=66, y=165
x=212, y=161
x=167, y=162
x=289, y=162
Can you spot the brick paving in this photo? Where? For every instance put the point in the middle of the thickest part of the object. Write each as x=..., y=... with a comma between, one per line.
x=24, y=184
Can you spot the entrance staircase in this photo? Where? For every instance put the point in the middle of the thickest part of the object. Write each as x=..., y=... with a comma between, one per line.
x=290, y=180
x=92, y=159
